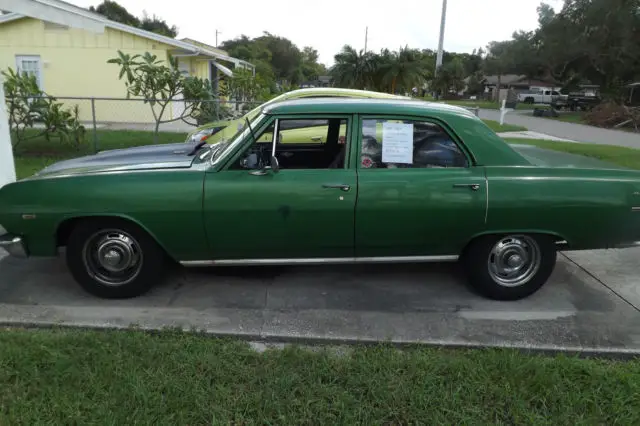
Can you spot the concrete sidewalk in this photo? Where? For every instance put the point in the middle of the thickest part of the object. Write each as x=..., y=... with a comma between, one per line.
x=400, y=303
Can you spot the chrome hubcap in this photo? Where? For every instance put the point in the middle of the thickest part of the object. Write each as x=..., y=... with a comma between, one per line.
x=514, y=260
x=112, y=257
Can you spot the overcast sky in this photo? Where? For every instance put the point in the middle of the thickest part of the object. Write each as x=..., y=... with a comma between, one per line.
x=327, y=25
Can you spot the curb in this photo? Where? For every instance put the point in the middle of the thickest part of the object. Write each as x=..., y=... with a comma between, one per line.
x=583, y=352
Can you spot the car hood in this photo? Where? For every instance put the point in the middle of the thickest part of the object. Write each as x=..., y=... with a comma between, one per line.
x=550, y=158
x=166, y=156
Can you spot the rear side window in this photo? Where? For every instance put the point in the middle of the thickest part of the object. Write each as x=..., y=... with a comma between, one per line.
x=408, y=144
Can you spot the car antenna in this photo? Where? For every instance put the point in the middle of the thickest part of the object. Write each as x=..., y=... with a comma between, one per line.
x=251, y=130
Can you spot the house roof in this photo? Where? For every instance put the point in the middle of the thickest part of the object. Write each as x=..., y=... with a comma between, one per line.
x=505, y=79
x=193, y=48
x=205, y=45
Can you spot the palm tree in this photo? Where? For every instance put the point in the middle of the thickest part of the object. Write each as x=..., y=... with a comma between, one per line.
x=405, y=69
x=352, y=69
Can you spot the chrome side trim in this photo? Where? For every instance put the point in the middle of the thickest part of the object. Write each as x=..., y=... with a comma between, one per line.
x=628, y=245
x=635, y=209
x=321, y=260
x=14, y=246
x=486, y=209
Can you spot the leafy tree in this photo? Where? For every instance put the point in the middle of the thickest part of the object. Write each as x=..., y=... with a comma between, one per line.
x=159, y=84
x=158, y=26
x=311, y=68
x=450, y=77
x=353, y=69
x=115, y=12
x=278, y=61
x=499, y=61
x=474, y=85
x=403, y=68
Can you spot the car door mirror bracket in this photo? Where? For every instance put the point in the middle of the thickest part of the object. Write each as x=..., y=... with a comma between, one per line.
x=273, y=167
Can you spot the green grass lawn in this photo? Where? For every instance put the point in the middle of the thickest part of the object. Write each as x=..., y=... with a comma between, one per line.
x=627, y=157
x=496, y=127
x=130, y=377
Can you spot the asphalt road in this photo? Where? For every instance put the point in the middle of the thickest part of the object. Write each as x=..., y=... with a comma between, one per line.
x=560, y=129
x=596, y=308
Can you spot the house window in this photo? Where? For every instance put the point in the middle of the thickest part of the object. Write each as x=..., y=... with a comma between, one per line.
x=31, y=65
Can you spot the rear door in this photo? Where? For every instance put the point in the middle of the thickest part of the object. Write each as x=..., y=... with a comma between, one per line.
x=419, y=193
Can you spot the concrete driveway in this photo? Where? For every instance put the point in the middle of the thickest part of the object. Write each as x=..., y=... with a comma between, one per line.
x=591, y=304
x=571, y=131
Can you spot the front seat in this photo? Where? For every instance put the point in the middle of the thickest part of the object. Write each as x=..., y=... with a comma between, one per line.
x=338, y=161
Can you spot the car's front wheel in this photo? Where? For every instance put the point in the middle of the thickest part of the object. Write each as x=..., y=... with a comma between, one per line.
x=113, y=259
x=510, y=267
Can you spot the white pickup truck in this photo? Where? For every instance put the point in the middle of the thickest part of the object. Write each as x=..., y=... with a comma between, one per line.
x=539, y=96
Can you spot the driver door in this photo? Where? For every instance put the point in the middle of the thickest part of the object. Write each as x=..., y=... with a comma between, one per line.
x=255, y=214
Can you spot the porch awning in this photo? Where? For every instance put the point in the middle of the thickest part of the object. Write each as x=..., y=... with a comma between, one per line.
x=226, y=71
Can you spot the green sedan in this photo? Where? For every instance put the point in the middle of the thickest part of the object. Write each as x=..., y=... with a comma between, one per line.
x=388, y=181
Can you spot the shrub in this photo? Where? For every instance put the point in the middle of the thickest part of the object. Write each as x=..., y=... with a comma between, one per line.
x=28, y=105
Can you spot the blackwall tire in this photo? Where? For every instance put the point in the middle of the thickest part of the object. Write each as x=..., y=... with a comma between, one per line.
x=510, y=267
x=113, y=258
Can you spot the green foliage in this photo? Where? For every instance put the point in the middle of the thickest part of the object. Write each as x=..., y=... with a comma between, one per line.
x=587, y=41
x=159, y=84
x=279, y=63
x=115, y=12
x=29, y=107
x=243, y=87
x=396, y=71
x=450, y=78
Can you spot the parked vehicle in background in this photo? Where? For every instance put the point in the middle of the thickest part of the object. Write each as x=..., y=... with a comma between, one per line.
x=226, y=129
x=583, y=99
x=405, y=181
x=539, y=96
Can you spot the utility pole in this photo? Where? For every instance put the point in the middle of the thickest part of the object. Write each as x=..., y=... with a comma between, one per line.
x=441, y=42
x=366, y=39
x=217, y=32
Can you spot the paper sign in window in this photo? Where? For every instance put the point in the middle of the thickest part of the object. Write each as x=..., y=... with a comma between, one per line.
x=397, y=143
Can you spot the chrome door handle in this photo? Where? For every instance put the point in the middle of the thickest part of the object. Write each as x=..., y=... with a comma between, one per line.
x=473, y=186
x=316, y=138
x=341, y=186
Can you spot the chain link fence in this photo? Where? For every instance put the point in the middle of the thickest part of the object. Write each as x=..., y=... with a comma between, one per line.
x=101, y=116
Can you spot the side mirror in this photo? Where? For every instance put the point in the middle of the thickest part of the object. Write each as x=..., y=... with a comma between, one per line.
x=274, y=167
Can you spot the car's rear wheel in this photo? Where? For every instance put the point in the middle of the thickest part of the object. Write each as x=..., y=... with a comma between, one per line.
x=113, y=259
x=510, y=267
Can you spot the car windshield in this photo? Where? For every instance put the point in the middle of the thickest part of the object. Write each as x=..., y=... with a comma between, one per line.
x=223, y=146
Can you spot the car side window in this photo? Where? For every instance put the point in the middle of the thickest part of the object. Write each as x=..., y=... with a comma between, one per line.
x=303, y=143
x=408, y=144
